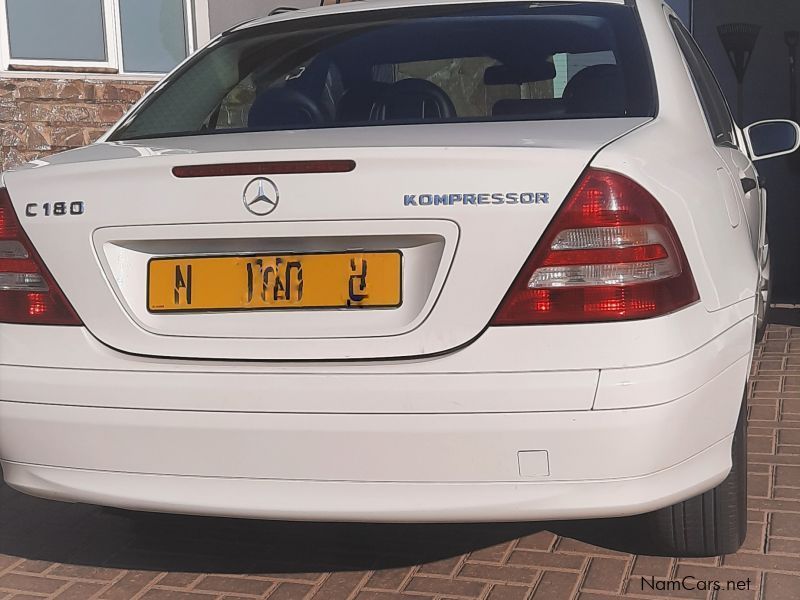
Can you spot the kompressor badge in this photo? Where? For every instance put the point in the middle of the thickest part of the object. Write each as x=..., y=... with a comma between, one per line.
x=485, y=199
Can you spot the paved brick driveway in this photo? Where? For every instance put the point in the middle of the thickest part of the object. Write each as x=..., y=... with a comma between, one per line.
x=51, y=550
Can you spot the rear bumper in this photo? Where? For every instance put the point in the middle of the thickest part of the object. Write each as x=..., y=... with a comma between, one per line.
x=414, y=441
x=376, y=467
x=376, y=501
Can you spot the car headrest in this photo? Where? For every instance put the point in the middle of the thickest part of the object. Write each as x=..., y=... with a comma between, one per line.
x=360, y=102
x=597, y=90
x=530, y=73
x=416, y=99
x=283, y=108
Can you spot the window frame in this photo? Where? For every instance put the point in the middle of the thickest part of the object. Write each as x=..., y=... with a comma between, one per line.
x=114, y=63
x=709, y=93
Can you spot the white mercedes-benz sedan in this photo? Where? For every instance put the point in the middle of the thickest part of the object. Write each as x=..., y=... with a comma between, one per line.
x=400, y=261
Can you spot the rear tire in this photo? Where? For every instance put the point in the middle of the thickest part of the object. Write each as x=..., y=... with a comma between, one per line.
x=711, y=524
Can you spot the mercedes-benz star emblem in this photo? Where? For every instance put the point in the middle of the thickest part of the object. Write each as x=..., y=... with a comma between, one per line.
x=261, y=196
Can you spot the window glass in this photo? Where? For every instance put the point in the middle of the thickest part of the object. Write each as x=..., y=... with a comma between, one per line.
x=490, y=63
x=569, y=65
x=457, y=77
x=62, y=30
x=233, y=111
x=153, y=35
x=473, y=97
x=718, y=115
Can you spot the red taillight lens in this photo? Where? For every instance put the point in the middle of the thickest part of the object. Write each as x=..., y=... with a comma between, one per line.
x=28, y=293
x=610, y=254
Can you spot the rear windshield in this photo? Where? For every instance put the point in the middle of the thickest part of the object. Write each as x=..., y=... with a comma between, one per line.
x=513, y=61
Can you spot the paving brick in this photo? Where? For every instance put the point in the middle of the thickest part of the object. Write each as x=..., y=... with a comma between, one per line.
x=699, y=560
x=374, y=595
x=30, y=583
x=446, y=566
x=775, y=505
x=757, y=468
x=499, y=574
x=388, y=579
x=756, y=516
x=556, y=586
x=653, y=587
x=781, y=546
x=757, y=444
x=789, y=436
x=84, y=572
x=291, y=591
x=778, y=586
x=178, y=580
x=34, y=566
x=763, y=413
x=543, y=540
x=754, y=541
x=605, y=574
x=298, y=577
x=156, y=594
x=8, y=562
x=727, y=578
x=492, y=554
x=785, y=525
x=652, y=566
x=443, y=586
x=766, y=384
x=239, y=585
x=129, y=585
x=767, y=562
x=774, y=347
x=766, y=365
x=737, y=594
x=547, y=560
x=785, y=493
x=80, y=590
x=571, y=545
x=509, y=592
x=340, y=586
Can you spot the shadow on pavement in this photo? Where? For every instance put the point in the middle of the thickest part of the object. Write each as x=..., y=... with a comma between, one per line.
x=86, y=535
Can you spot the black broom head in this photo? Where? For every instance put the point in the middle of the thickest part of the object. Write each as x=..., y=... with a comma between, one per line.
x=739, y=40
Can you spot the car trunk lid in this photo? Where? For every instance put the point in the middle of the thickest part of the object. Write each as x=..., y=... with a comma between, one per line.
x=463, y=205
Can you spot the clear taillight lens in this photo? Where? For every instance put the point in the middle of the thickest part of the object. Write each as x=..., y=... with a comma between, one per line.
x=28, y=293
x=610, y=254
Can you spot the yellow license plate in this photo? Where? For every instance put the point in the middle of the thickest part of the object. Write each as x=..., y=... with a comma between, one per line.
x=275, y=281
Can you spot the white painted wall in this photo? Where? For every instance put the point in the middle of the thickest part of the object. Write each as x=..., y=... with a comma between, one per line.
x=226, y=13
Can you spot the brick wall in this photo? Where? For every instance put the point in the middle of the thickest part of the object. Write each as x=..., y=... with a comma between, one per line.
x=45, y=116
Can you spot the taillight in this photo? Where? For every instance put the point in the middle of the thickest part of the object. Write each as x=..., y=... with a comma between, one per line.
x=610, y=254
x=28, y=293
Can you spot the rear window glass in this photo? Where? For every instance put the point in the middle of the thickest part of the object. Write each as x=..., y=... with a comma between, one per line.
x=430, y=64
